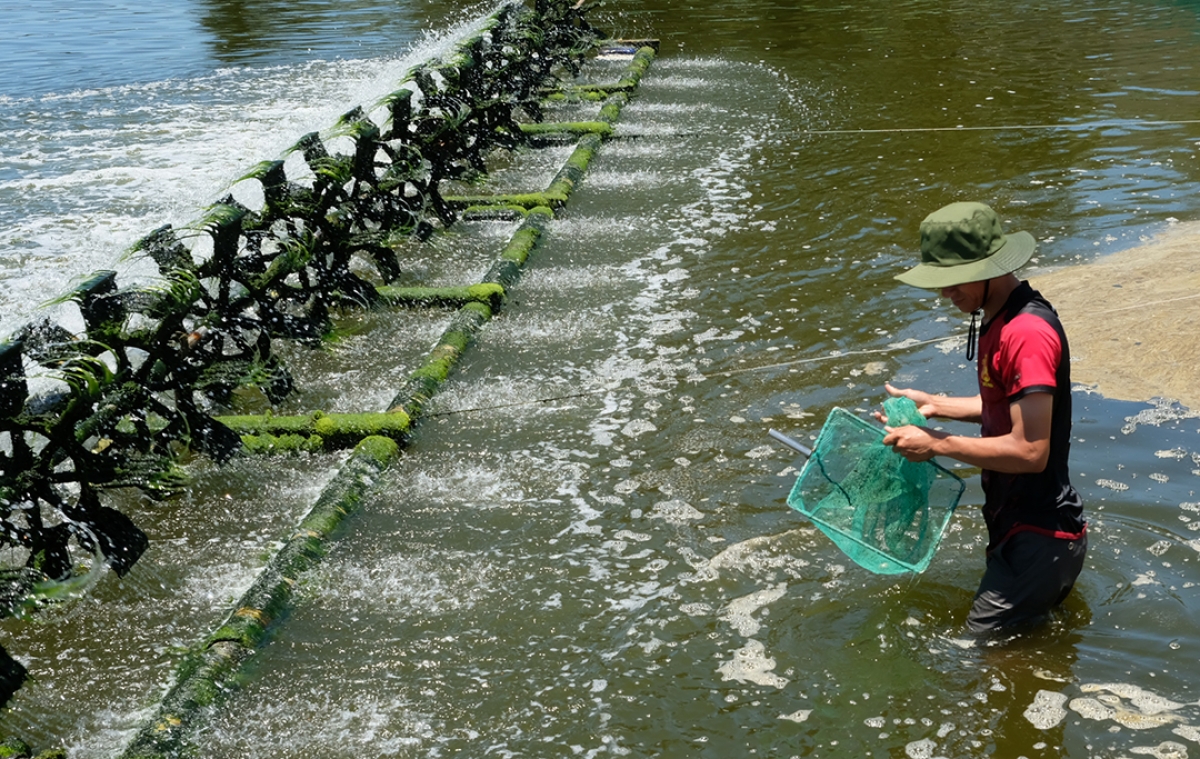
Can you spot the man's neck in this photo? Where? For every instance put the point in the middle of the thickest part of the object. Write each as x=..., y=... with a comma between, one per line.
x=999, y=288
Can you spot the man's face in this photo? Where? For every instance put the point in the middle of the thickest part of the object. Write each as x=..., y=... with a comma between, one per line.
x=966, y=298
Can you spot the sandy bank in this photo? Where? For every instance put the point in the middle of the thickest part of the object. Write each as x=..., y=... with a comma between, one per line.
x=1133, y=318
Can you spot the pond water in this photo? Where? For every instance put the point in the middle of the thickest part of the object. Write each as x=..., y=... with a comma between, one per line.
x=613, y=569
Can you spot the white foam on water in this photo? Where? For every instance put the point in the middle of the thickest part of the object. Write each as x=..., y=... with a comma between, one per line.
x=750, y=664
x=762, y=553
x=1164, y=750
x=1047, y=710
x=1144, y=700
x=1173, y=453
x=106, y=734
x=437, y=583
x=921, y=749
x=217, y=584
x=674, y=82
x=610, y=180
x=800, y=715
x=762, y=452
x=1163, y=411
x=1090, y=708
x=638, y=427
x=1138, y=721
x=379, y=721
x=542, y=329
x=675, y=512
x=716, y=334
x=567, y=278
x=524, y=397
x=739, y=612
x=1159, y=547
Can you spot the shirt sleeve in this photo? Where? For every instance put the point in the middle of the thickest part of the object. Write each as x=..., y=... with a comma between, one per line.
x=1031, y=351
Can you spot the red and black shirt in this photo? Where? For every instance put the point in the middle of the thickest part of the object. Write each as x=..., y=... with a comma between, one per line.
x=1023, y=350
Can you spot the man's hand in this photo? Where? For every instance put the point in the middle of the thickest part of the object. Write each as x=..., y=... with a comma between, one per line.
x=925, y=401
x=1025, y=449
x=940, y=406
x=912, y=442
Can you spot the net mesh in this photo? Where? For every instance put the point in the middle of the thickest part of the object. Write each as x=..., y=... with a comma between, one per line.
x=884, y=512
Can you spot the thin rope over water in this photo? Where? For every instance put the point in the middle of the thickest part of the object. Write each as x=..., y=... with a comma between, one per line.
x=728, y=373
x=1147, y=304
x=1005, y=127
x=831, y=356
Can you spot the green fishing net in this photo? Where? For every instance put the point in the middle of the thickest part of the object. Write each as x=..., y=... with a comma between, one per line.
x=884, y=512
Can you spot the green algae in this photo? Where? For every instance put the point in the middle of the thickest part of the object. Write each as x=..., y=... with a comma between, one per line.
x=316, y=431
x=602, y=128
x=206, y=674
x=484, y=292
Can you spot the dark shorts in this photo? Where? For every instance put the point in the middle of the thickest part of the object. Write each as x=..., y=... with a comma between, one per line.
x=1027, y=576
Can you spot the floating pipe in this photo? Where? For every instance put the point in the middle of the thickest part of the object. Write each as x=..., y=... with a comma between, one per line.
x=208, y=671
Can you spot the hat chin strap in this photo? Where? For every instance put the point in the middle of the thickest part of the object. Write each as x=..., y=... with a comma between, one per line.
x=973, y=333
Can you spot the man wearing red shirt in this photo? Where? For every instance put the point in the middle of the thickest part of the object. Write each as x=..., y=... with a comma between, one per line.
x=1037, y=537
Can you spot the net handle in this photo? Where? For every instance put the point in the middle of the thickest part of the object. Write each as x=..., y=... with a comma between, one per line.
x=790, y=443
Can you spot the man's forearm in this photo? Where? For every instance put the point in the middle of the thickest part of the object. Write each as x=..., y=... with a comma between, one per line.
x=1006, y=453
x=958, y=409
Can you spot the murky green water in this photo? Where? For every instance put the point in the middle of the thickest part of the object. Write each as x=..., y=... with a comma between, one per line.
x=614, y=570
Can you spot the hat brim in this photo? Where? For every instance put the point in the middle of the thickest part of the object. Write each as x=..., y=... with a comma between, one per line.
x=1016, y=251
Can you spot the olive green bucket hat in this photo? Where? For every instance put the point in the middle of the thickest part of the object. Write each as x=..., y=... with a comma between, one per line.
x=963, y=242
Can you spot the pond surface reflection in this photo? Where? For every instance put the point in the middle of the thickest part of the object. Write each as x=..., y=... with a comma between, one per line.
x=613, y=569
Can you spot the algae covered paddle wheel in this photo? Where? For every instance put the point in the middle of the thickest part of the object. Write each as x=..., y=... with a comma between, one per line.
x=148, y=380
x=884, y=512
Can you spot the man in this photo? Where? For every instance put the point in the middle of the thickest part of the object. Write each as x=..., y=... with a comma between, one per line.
x=1037, y=537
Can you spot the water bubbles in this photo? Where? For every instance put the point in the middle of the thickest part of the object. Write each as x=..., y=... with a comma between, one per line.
x=1173, y=453
x=626, y=486
x=638, y=427
x=675, y=512
x=761, y=452
x=751, y=664
x=1164, y=750
x=922, y=749
x=1188, y=732
x=1047, y=710
x=1112, y=485
x=1090, y=708
x=800, y=715
x=739, y=612
x=1160, y=547
x=1144, y=710
x=637, y=537
x=1162, y=412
